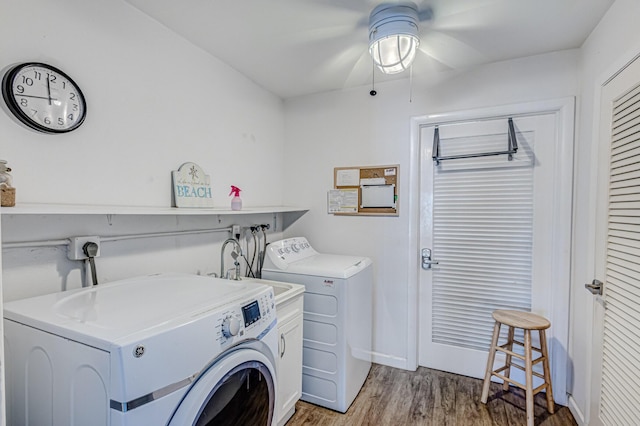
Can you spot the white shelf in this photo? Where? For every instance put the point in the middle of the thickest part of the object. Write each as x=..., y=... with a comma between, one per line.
x=77, y=209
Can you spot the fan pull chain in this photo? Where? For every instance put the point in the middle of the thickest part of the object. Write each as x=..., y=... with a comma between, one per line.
x=411, y=84
x=373, y=79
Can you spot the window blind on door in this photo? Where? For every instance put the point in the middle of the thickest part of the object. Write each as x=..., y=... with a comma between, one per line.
x=482, y=238
x=620, y=392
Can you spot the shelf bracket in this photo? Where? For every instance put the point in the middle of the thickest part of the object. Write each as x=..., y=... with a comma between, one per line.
x=512, y=147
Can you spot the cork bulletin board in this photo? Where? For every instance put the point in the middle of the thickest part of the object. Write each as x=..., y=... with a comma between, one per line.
x=371, y=190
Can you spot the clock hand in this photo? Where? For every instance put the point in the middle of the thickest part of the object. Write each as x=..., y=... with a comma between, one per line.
x=49, y=90
x=37, y=97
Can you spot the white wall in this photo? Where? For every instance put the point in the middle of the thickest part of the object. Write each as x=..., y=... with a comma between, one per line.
x=32, y=271
x=154, y=102
x=611, y=45
x=350, y=128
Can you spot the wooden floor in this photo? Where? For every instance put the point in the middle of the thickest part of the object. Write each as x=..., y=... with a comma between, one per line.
x=392, y=396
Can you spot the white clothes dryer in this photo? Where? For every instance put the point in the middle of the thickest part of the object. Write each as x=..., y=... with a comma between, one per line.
x=337, y=318
x=166, y=349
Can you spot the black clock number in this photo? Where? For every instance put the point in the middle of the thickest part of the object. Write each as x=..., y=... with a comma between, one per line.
x=47, y=120
x=60, y=121
x=52, y=78
x=70, y=117
x=72, y=96
x=20, y=88
x=26, y=80
x=24, y=102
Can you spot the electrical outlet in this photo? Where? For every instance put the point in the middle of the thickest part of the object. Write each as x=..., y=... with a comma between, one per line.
x=235, y=231
x=76, y=252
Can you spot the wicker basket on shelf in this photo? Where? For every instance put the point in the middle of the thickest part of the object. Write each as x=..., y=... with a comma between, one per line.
x=8, y=197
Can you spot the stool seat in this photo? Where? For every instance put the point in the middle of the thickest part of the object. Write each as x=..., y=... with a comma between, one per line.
x=527, y=322
x=518, y=319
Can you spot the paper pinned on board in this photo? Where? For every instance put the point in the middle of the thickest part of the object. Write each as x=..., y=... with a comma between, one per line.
x=348, y=177
x=342, y=201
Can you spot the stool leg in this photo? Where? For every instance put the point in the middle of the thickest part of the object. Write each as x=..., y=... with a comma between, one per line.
x=505, y=385
x=547, y=371
x=492, y=356
x=529, y=377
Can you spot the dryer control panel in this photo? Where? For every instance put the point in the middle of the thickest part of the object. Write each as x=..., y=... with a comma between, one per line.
x=284, y=252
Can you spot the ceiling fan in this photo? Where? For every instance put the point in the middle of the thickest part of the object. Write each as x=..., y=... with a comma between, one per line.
x=393, y=35
x=435, y=33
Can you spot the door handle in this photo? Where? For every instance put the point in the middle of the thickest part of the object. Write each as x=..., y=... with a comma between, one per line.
x=595, y=287
x=426, y=259
x=284, y=345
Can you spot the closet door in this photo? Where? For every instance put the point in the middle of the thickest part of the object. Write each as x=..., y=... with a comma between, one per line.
x=491, y=225
x=616, y=344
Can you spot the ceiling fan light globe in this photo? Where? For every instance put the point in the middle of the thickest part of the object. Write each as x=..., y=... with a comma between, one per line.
x=393, y=36
x=395, y=53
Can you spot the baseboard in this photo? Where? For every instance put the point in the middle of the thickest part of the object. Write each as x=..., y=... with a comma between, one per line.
x=578, y=415
x=287, y=416
x=390, y=361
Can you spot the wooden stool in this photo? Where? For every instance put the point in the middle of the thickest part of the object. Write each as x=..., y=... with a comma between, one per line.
x=526, y=321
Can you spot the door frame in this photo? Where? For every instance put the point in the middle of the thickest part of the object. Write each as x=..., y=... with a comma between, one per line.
x=564, y=108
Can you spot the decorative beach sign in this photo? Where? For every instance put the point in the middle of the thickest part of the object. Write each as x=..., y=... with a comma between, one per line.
x=191, y=187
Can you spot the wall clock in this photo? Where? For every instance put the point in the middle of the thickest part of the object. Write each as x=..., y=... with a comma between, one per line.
x=43, y=98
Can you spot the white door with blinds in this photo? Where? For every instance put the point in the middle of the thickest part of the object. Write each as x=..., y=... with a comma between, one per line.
x=616, y=345
x=499, y=230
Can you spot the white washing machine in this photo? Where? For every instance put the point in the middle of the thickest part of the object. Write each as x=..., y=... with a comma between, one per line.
x=157, y=350
x=338, y=305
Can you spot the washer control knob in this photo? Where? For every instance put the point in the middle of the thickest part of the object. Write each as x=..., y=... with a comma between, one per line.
x=230, y=326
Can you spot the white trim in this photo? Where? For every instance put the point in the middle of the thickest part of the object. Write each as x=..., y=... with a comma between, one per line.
x=392, y=361
x=413, y=298
x=491, y=113
x=578, y=415
x=559, y=316
x=561, y=258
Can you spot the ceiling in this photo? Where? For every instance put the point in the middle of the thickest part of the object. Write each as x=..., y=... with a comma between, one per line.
x=298, y=47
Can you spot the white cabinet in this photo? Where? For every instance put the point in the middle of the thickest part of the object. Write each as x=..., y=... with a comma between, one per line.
x=289, y=314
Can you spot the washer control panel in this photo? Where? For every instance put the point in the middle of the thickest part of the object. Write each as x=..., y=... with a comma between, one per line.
x=285, y=252
x=230, y=326
x=248, y=318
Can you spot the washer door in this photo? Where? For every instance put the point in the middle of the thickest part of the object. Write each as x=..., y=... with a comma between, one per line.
x=238, y=389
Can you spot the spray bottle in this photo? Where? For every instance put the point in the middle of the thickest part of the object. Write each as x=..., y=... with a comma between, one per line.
x=236, y=202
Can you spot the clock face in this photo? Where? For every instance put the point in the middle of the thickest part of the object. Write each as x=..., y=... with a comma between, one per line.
x=44, y=98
